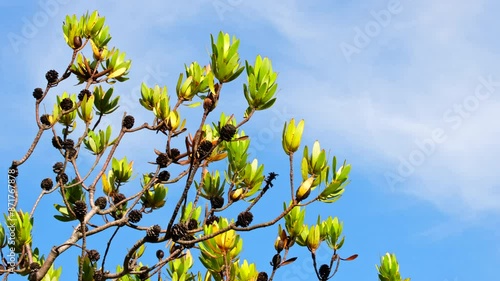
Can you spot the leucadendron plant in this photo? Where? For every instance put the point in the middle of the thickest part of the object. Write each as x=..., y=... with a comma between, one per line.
x=202, y=221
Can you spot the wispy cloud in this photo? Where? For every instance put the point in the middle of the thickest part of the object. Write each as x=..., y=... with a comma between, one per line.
x=381, y=103
x=400, y=93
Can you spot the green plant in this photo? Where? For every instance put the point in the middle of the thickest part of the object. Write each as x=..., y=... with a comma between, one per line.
x=200, y=217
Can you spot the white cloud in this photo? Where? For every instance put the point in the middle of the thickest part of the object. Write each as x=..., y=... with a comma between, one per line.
x=394, y=92
x=388, y=98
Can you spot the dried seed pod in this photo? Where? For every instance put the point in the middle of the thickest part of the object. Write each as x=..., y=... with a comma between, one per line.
x=135, y=216
x=66, y=104
x=57, y=142
x=44, y=119
x=227, y=132
x=37, y=93
x=47, y=184
x=94, y=255
x=244, y=219
x=163, y=176
x=84, y=93
x=57, y=168
x=162, y=160
x=324, y=271
x=80, y=210
x=128, y=122
x=153, y=231
x=217, y=202
x=160, y=254
x=101, y=202
x=262, y=276
x=178, y=231
x=52, y=76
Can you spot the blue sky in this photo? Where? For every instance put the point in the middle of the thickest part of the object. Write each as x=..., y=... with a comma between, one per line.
x=406, y=91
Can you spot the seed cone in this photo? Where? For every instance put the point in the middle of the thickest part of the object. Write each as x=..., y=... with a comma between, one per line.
x=143, y=275
x=34, y=267
x=204, y=149
x=57, y=168
x=69, y=143
x=178, y=231
x=262, y=276
x=84, y=93
x=227, y=132
x=51, y=76
x=174, y=152
x=47, y=184
x=217, y=202
x=71, y=153
x=135, y=216
x=192, y=224
x=57, y=142
x=98, y=275
x=101, y=202
x=153, y=231
x=164, y=176
x=38, y=93
x=80, y=210
x=66, y=104
x=212, y=219
x=62, y=178
x=162, y=160
x=118, y=197
x=244, y=219
x=128, y=122
x=94, y=255
x=44, y=119
x=324, y=271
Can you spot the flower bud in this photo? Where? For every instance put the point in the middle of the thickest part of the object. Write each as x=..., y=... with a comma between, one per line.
x=313, y=240
x=236, y=194
x=304, y=190
x=77, y=42
x=292, y=136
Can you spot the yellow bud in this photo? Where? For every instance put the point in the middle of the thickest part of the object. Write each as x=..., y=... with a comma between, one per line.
x=279, y=244
x=291, y=136
x=173, y=120
x=304, y=190
x=313, y=238
x=236, y=194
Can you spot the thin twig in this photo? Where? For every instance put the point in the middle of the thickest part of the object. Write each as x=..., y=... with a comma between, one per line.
x=107, y=247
